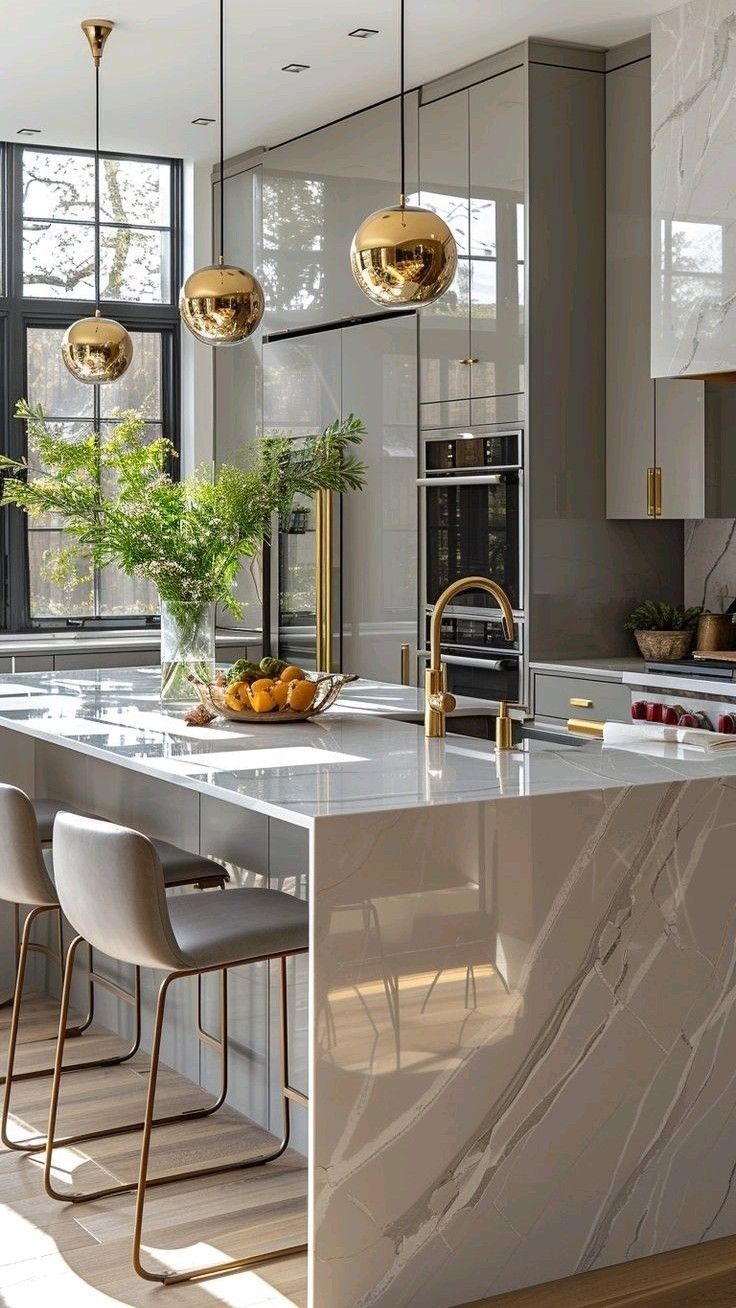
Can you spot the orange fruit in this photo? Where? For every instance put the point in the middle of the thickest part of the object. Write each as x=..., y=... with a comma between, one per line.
x=261, y=701
x=292, y=673
x=301, y=695
x=263, y=683
x=279, y=694
x=233, y=700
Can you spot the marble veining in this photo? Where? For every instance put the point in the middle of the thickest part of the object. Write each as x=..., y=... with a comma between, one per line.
x=571, y=1108
x=693, y=193
x=710, y=563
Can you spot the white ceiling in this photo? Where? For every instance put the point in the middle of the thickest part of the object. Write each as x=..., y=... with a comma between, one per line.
x=159, y=69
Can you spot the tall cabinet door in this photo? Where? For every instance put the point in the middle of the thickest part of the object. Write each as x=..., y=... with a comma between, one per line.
x=301, y=395
x=497, y=166
x=379, y=532
x=443, y=180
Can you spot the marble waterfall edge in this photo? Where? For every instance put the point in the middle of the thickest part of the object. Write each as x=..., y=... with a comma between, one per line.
x=524, y=1025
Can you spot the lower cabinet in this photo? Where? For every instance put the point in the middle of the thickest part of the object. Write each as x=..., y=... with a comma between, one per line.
x=558, y=696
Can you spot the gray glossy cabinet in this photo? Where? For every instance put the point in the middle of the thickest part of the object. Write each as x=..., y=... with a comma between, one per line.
x=657, y=426
x=379, y=525
x=237, y=372
x=368, y=369
x=316, y=191
x=471, y=161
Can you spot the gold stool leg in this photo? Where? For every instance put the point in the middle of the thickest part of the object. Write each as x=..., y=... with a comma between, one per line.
x=190, y=1114
x=6, y=1003
x=288, y=1094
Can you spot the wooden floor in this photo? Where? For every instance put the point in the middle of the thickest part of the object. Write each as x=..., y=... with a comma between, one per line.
x=79, y=1255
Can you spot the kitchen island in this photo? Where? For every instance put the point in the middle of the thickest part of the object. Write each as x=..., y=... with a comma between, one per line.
x=517, y=1014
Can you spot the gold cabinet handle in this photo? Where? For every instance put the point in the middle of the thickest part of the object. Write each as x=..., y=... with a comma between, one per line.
x=654, y=492
x=469, y=361
x=581, y=703
x=584, y=728
x=405, y=669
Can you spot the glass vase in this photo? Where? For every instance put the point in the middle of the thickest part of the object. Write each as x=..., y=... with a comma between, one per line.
x=187, y=648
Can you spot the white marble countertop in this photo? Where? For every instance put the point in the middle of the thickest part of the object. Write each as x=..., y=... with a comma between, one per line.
x=613, y=668
x=57, y=642
x=354, y=759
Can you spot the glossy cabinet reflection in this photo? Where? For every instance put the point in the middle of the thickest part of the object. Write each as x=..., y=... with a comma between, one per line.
x=237, y=372
x=471, y=159
x=370, y=370
x=379, y=526
x=679, y=428
x=693, y=202
x=316, y=192
x=301, y=395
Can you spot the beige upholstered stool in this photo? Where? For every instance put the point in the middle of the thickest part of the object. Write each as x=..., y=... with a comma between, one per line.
x=111, y=888
x=26, y=878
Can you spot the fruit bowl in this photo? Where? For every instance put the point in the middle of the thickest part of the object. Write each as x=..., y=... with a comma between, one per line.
x=328, y=686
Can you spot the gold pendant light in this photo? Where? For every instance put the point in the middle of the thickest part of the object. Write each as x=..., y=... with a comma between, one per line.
x=97, y=350
x=403, y=254
x=221, y=304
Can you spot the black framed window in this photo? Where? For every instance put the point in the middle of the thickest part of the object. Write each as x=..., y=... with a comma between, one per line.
x=48, y=277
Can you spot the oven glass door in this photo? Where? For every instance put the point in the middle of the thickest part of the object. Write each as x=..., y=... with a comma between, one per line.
x=482, y=680
x=473, y=528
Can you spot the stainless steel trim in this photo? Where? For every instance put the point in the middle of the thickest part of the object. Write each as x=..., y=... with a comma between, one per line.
x=482, y=479
x=493, y=664
x=481, y=431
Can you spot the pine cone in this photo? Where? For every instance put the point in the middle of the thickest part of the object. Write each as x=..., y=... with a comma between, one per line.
x=199, y=716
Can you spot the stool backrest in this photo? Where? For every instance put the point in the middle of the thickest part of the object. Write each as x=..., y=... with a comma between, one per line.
x=111, y=888
x=23, y=875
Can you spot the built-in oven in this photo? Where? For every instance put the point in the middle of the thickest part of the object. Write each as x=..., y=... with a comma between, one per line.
x=472, y=513
x=480, y=660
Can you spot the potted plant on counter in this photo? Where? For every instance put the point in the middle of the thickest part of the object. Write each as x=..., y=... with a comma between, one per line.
x=663, y=632
x=120, y=504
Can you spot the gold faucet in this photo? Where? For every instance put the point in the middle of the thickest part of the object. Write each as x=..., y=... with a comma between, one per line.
x=438, y=702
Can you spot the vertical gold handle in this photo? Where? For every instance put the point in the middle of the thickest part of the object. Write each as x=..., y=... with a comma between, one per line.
x=658, y=492
x=405, y=667
x=323, y=571
x=650, y=493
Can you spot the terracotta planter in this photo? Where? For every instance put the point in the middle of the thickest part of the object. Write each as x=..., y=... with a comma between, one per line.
x=664, y=646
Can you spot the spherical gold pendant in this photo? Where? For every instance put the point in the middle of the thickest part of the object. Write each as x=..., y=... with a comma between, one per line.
x=96, y=350
x=221, y=305
x=403, y=255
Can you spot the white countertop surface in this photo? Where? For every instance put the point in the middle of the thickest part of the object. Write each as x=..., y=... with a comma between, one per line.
x=349, y=761
x=614, y=668
x=57, y=642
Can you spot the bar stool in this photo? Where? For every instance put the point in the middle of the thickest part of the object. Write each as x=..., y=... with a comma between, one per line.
x=26, y=878
x=111, y=888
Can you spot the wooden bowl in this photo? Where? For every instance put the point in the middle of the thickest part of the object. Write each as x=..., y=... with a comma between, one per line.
x=328, y=689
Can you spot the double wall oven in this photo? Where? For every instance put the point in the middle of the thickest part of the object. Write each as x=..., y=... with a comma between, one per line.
x=472, y=522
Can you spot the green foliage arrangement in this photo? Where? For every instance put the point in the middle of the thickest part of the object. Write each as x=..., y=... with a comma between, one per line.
x=121, y=505
x=652, y=616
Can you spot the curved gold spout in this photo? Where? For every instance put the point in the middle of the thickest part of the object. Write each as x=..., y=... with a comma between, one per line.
x=438, y=703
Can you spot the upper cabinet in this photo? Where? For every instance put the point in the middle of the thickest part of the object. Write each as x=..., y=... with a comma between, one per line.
x=656, y=450
x=693, y=197
x=471, y=171
x=317, y=190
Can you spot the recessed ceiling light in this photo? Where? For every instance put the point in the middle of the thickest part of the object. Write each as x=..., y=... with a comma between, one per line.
x=28, y=131
x=202, y=122
x=364, y=32
x=295, y=68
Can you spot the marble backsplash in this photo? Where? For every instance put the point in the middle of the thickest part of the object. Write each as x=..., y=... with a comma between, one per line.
x=710, y=563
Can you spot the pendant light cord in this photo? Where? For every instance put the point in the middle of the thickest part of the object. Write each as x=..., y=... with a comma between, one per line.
x=97, y=186
x=222, y=132
x=402, y=60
